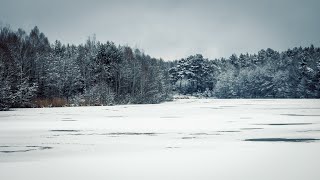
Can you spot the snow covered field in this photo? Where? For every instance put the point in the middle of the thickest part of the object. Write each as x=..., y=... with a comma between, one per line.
x=185, y=139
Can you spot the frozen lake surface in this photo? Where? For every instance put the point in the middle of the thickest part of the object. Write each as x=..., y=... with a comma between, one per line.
x=180, y=140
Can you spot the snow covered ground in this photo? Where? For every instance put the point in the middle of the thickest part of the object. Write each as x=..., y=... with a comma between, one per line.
x=187, y=139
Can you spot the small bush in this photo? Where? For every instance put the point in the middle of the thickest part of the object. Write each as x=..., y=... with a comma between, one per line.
x=54, y=102
x=58, y=102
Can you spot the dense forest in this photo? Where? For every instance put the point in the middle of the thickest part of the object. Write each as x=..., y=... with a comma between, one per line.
x=294, y=73
x=37, y=73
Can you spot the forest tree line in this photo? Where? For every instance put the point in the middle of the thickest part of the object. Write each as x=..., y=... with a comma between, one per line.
x=37, y=73
x=294, y=73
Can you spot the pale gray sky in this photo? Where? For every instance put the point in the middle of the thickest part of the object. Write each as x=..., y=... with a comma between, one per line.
x=173, y=29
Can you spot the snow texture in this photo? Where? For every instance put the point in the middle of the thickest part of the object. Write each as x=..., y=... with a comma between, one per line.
x=185, y=139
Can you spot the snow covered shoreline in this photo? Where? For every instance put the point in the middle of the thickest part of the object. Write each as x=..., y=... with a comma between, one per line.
x=183, y=139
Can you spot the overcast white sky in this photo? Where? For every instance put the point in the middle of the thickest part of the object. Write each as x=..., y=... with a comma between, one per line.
x=173, y=29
